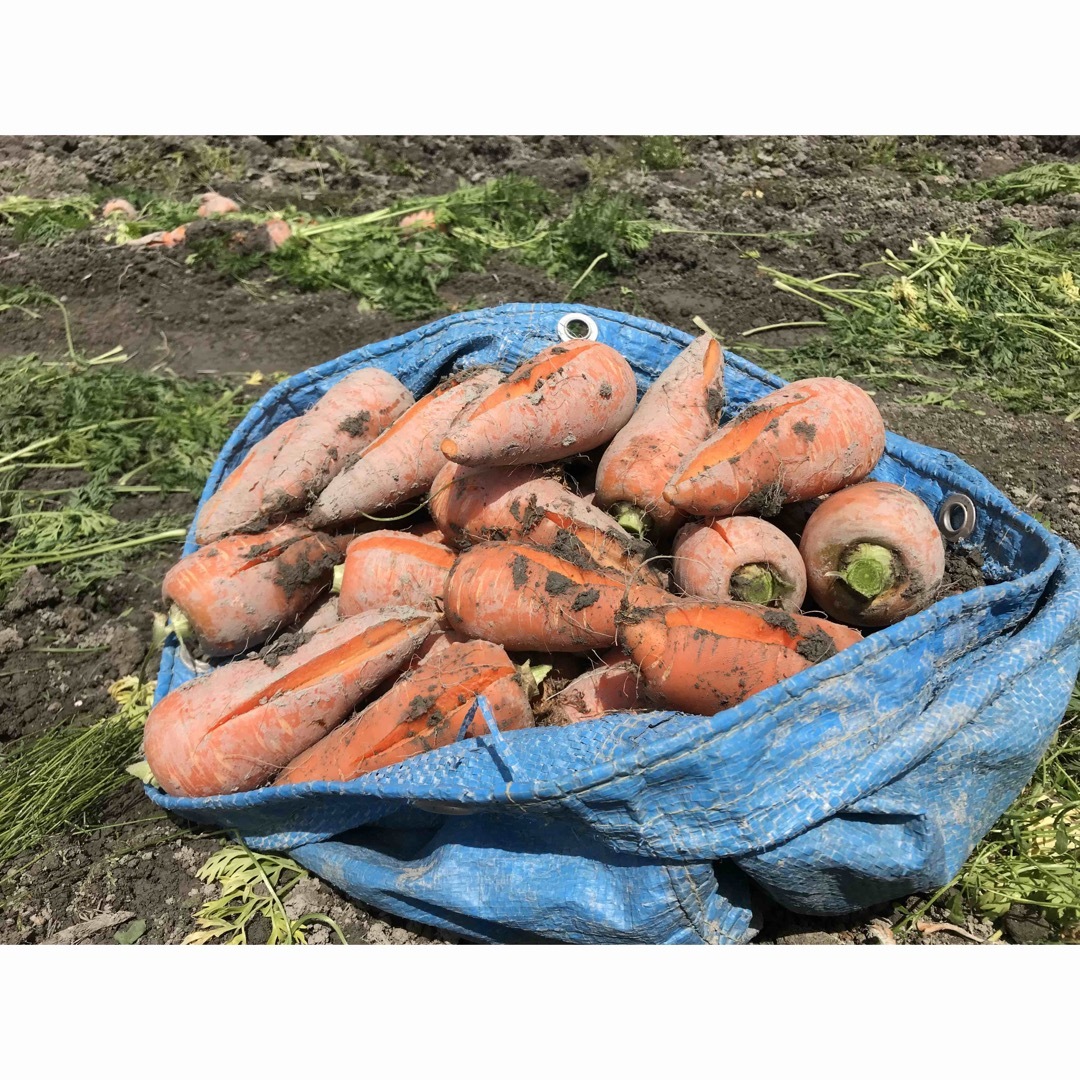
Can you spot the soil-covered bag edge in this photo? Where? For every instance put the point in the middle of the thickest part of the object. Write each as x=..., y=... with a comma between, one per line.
x=871, y=775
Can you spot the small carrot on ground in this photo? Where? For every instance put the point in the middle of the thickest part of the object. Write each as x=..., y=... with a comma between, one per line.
x=423, y=710
x=385, y=568
x=403, y=461
x=703, y=658
x=211, y=203
x=739, y=558
x=678, y=412
x=234, y=594
x=873, y=554
x=234, y=728
x=568, y=399
x=806, y=439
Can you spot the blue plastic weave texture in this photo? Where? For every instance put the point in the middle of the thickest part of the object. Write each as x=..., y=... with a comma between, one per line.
x=862, y=779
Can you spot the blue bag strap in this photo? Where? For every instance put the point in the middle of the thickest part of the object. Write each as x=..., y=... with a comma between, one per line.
x=499, y=747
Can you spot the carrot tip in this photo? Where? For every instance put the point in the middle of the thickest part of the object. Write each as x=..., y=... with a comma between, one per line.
x=670, y=493
x=449, y=448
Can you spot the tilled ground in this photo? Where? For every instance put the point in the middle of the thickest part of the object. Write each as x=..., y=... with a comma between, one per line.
x=855, y=197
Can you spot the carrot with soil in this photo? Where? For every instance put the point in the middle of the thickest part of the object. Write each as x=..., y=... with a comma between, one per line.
x=702, y=658
x=678, y=412
x=234, y=594
x=613, y=686
x=739, y=558
x=234, y=728
x=568, y=399
x=403, y=461
x=873, y=555
x=329, y=435
x=423, y=710
x=808, y=438
x=525, y=597
x=386, y=568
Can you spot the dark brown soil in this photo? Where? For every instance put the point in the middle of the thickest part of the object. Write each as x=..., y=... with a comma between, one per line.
x=190, y=321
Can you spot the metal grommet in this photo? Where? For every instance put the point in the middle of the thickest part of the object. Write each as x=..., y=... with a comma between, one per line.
x=576, y=326
x=956, y=518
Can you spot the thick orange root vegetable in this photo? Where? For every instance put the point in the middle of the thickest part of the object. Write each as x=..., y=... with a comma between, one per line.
x=234, y=594
x=233, y=729
x=236, y=506
x=873, y=555
x=677, y=414
x=806, y=439
x=527, y=598
x=423, y=710
x=386, y=568
x=319, y=616
x=405, y=459
x=567, y=400
x=702, y=658
x=613, y=686
x=332, y=432
x=739, y=558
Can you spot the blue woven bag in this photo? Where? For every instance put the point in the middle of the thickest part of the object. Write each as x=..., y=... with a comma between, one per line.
x=865, y=778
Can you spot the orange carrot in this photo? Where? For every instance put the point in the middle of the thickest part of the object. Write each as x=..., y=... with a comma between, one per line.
x=235, y=593
x=384, y=568
x=319, y=616
x=678, y=412
x=236, y=506
x=613, y=686
x=873, y=554
x=808, y=438
x=739, y=558
x=234, y=728
x=702, y=658
x=472, y=504
x=119, y=206
x=568, y=399
x=424, y=709
x=525, y=598
x=211, y=203
x=330, y=434
x=404, y=460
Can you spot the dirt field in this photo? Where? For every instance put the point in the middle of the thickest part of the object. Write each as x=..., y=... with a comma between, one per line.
x=853, y=197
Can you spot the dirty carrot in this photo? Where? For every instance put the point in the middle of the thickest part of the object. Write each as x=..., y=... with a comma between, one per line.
x=613, y=686
x=234, y=728
x=423, y=710
x=703, y=658
x=566, y=400
x=403, y=461
x=234, y=594
x=739, y=558
x=211, y=203
x=525, y=598
x=329, y=435
x=873, y=554
x=678, y=412
x=385, y=568
x=808, y=438
x=236, y=506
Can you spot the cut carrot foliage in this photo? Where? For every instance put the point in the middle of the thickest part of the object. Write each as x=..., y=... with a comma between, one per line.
x=567, y=400
x=806, y=439
x=706, y=657
x=405, y=459
x=678, y=412
x=423, y=710
x=739, y=558
x=235, y=593
x=386, y=568
x=873, y=554
x=234, y=728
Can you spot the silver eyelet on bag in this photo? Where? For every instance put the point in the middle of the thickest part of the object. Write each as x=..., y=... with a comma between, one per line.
x=956, y=518
x=577, y=326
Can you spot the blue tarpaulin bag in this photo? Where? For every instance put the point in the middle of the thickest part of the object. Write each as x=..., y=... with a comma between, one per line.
x=863, y=779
